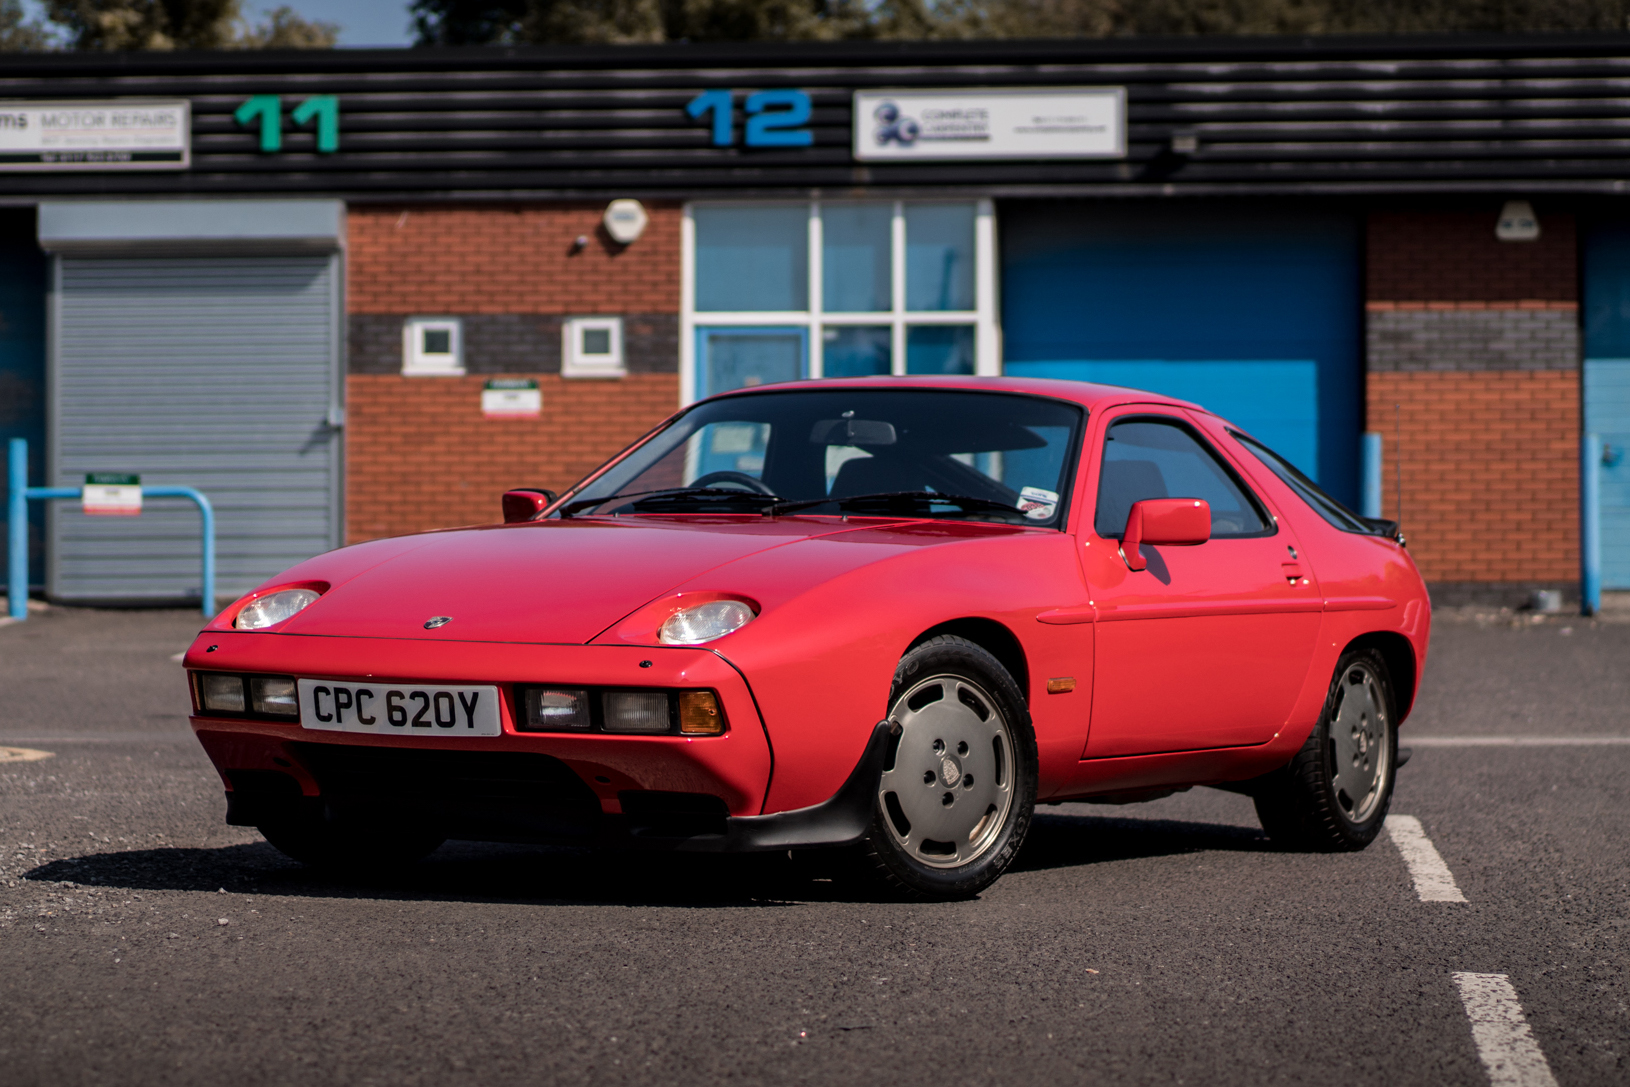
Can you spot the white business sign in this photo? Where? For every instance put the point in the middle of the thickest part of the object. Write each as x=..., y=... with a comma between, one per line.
x=128, y=134
x=1037, y=123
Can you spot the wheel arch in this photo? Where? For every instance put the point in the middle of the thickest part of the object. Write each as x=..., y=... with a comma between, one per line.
x=1399, y=655
x=991, y=636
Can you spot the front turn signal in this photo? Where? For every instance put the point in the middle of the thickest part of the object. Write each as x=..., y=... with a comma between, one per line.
x=699, y=714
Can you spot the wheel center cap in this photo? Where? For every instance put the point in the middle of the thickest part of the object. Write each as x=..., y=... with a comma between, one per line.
x=950, y=771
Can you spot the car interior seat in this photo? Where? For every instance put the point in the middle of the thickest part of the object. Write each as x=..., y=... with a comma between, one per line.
x=1122, y=483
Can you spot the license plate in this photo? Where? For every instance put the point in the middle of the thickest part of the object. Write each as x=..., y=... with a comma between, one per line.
x=394, y=709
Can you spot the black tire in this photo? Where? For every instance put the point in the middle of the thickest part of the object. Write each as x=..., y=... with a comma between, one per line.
x=343, y=847
x=996, y=784
x=1311, y=803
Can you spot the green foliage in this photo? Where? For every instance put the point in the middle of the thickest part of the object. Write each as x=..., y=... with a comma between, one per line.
x=121, y=25
x=467, y=22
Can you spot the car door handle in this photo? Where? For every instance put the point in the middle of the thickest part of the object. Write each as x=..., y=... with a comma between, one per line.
x=1292, y=571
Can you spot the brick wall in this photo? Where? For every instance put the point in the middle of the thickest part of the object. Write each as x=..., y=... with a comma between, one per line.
x=419, y=453
x=423, y=456
x=1473, y=356
x=441, y=261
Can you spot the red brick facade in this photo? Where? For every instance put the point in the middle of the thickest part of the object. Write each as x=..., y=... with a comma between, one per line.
x=1443, y=257
x=420, y=454
x=508, y=259
x=1490, y=471
x=423, y=456
x=1473, y=383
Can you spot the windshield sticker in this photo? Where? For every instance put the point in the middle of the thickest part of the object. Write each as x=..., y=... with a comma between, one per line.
x=1037, y=503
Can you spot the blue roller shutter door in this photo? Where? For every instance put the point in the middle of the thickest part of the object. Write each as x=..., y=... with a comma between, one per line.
x=1253, y=312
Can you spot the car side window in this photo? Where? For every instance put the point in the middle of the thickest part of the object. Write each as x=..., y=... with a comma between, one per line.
x=1160, y=457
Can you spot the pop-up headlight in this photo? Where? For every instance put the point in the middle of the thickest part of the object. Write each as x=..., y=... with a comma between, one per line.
x=704, y=622
x=273, y=608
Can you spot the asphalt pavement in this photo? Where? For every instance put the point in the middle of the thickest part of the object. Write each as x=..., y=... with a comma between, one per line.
x=143, y=941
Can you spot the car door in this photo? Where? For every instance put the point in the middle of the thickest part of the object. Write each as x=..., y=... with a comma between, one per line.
x=1208, y=646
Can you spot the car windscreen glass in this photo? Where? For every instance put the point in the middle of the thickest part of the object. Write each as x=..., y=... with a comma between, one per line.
x=1308, y=491
x=1007, y=457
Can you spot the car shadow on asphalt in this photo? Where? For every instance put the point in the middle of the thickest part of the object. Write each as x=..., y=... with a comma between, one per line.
x=1069, y=839
x=481, y=872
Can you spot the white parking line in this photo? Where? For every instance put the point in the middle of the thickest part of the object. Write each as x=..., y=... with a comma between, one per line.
x=1433, y=880
x=1516, y=741
x=1501, y=1032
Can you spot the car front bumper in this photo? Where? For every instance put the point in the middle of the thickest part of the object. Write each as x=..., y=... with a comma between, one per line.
x=701, y=793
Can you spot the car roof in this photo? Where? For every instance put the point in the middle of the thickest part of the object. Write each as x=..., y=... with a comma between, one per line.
x=1092, y=396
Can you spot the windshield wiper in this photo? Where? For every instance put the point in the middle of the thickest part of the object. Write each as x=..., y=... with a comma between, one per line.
x=672, y=495
x=903, y=503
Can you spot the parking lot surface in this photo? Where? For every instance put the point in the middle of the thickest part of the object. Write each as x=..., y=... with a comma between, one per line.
x=144, y=941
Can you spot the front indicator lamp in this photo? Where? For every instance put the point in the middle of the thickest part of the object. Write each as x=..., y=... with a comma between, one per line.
x=699, y=714
x=273, y=608
x=704, y=622
x=232, y=694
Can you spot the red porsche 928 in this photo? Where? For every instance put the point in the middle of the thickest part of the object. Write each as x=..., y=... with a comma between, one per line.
x=889, y=615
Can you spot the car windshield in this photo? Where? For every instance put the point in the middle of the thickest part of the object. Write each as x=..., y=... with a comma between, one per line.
x=904, y=452
x=1310, y=492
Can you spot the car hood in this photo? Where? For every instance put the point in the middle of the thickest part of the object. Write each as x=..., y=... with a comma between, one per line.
x=548, y=581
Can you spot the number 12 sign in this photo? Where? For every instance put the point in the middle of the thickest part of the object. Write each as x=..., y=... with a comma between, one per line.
x=774, y=118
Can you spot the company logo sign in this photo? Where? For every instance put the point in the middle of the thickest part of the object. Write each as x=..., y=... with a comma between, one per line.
x=123, y=134
x=1065, y=122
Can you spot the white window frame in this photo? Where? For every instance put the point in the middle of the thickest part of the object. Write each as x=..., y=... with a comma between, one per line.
x=574, y=363
x=415, y=363
x=987, y=332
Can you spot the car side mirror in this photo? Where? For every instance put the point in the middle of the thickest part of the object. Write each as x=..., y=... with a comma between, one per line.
x=1177, y=522
x=525, y=503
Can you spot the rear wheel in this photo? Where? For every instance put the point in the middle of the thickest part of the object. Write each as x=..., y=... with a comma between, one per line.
x=1335, y=793
x=956, y=796
x=339, y=845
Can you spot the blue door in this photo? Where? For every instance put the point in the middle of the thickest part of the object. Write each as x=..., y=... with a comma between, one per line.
x=1250, y=311
x=1607, y=388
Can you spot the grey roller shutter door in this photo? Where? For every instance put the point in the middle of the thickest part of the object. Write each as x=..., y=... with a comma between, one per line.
x=216, y=372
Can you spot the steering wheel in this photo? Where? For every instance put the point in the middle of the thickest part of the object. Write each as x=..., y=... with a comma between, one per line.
x=742, y=480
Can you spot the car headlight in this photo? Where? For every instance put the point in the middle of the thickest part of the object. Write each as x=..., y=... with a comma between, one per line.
x=704, y=622
x=274, y=608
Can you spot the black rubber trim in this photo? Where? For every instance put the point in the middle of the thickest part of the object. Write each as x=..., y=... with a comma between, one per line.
x=841, y=819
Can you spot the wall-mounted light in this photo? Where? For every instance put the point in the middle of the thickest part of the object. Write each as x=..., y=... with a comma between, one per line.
x=1518, y=223
x=625, y=221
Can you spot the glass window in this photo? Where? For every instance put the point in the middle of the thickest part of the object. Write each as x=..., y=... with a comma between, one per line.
x=856, y=270
x=1009, y=457
x=1309, y=492
x=1160, y=458
x=736, y=358
x=856, y=350
x=752, y=259
x=940, y=349
x=431, y=346
x=939, y=257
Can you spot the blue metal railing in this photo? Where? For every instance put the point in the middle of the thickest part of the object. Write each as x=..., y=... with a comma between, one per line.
x=18, y=494
x=1590, y=524
x=1370, y=499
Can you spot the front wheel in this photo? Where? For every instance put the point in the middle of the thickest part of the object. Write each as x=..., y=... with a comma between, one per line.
x=959, y=786
x=1334, y=794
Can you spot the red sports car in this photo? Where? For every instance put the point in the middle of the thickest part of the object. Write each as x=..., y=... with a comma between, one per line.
x=886, y=614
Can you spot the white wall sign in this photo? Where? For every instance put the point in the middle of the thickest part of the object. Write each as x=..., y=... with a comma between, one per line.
x=511, y=398
x=111, y=494
x=130, y=134
x=1038, y=123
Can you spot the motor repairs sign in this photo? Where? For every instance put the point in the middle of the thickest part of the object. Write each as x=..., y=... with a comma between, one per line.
x=1038, y=123
x=127, y=134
